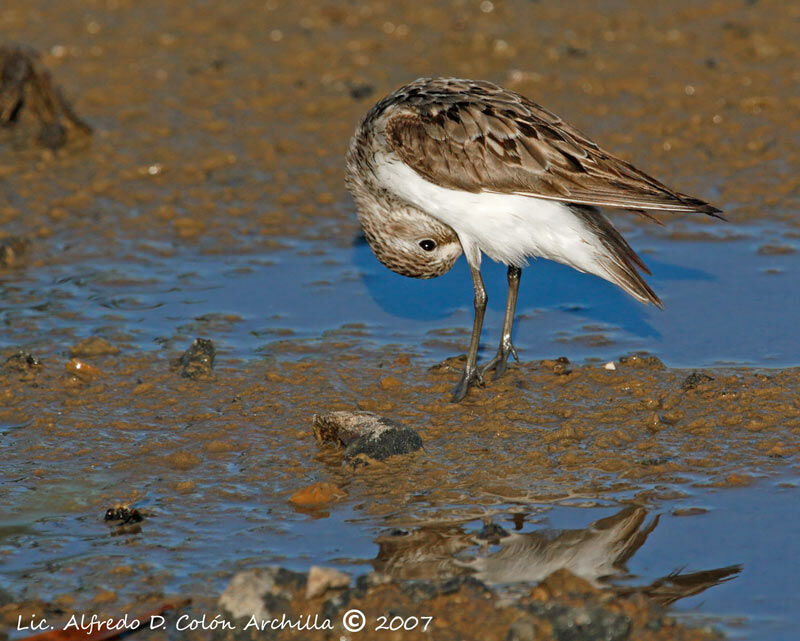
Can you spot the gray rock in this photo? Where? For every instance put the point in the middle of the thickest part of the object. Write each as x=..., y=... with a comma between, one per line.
x=364, y=434
x=261, y=592
x=588, y=623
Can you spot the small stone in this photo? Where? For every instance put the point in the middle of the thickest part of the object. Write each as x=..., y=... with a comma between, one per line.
x=642, y=360
x=123, y=520
x=316, y=494
x=93, y=346
x=694, y=379
x=23, y=363
x=123, y=514
x=365, y=433
x=82, y=370
x=610, y=366
x=320, y=580
x=13, y=251
x=451, y=364
x=198, y=361
x=559, y=366
x=654, y=422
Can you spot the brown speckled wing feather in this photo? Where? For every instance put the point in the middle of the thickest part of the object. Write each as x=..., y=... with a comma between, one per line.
x=475, y=136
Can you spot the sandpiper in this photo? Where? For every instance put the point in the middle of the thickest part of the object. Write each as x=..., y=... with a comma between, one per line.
x=445, y=165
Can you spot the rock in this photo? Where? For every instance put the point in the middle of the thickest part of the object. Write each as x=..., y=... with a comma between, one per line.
x=320, y=580
x=694, y=379
x=587, y=623
x=23, y=363
x=262, y=592
x=198, y=361
x=364, y=434
x=82, y=370
x=316, y=494
x=559, y=366
x=93, y=346
x=610, y=366
x=274, y=594
x=123, y=514
x=451, y=364
x=123, y=520
x=642, y=360
x=12, y=251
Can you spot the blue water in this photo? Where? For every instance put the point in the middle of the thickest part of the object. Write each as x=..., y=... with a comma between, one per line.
x=724, y=303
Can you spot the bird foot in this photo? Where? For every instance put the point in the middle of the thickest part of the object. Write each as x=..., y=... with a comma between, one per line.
x=468, y=379
x=500, y=361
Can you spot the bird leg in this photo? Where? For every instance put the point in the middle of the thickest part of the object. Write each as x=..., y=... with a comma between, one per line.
x=471, y=374
x=500, y=360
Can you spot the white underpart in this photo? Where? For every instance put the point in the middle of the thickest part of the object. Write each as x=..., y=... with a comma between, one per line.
x=508, y=228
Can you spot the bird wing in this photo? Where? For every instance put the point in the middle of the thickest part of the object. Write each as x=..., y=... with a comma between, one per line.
x=479, y=137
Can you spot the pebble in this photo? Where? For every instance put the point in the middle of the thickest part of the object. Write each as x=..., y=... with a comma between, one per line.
x=13, y=251
x=694, y=379
x=23, y=363
x=559, y=367
x=198, y=361
x=82, y=370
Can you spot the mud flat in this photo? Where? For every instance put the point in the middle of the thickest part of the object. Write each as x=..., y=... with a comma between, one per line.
x=213, y=177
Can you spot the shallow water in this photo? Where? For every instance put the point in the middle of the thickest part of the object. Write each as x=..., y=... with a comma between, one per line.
x=724, y=303
x=46, y=555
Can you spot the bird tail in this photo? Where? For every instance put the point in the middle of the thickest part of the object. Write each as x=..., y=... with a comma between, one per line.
x=622, y=265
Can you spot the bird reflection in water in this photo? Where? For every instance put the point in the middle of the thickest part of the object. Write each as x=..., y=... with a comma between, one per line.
x=597, y=554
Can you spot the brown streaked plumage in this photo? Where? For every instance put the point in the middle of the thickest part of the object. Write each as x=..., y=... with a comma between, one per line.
x=444, y=164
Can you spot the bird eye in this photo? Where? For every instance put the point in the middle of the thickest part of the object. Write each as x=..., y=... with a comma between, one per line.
x=428, y=245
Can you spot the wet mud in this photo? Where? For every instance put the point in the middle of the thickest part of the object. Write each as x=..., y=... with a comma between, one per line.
x=218, y=135
x=195, y=451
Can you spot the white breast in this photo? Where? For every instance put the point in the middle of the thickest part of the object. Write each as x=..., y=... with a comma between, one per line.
x=508, y=228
